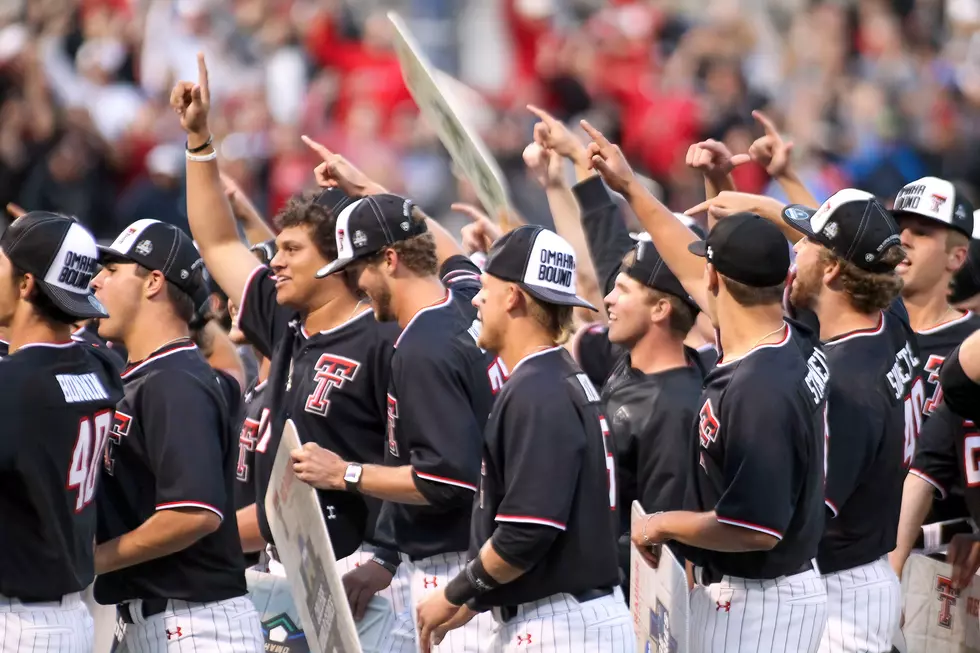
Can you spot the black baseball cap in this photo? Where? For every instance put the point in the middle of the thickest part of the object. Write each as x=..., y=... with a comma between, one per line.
x=936, y=199
x=649, y=268
x=746, y=248
x=538, y=260
x=62, y=256
x=966, y=281
x=333, y=199
x=160, y=246
x=852, y=224
x=368, y=225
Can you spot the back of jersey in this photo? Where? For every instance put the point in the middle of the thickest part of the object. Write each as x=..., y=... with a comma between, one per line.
x=58, y=403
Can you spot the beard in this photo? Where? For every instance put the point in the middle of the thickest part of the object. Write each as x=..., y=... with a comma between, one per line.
x=805, y=289
x=381, y=301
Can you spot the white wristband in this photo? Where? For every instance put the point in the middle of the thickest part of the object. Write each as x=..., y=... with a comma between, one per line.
x=210, y=156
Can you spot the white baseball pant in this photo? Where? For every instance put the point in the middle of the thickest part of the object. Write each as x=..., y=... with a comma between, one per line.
x=740, y=615
x=229, y=626
x=864, y=605
x=429, y=575
x=377, y=631
x=560, y=623
x=63, y=626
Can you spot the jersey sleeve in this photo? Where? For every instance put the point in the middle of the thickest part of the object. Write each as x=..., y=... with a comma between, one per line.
x=183, y=429
x=461, y=275
x=758, y=470
x=440, y=429
x=935, y=460
x=853, y=434
x=544, y=442
x=961, y=394
x=260, y=317
x=594, y=353
x=606, y=234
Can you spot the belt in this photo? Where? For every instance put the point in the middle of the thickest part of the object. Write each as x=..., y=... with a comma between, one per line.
x=508, y=612
x=149, y=608
x=707, y=576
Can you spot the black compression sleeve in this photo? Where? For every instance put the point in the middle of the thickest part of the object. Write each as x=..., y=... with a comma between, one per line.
x=523, y=545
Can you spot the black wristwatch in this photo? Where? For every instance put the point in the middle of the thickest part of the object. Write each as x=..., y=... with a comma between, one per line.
x=352, y=477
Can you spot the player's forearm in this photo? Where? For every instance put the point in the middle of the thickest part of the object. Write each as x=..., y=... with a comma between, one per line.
x=395, y=484
x=248, y=529
x=917, y=496
x=501, y=571
x=208, y=211
x=796, y=191
x=671, y=238
x=703, y=530
x=163, y=534
x=446, y=245
x=714, y=186
x=256, y=229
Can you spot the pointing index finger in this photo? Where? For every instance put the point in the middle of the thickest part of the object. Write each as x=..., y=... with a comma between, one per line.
x=317, y=147
x=766, y=123
x=694, y=210
x=545, y=117
x=202, y=77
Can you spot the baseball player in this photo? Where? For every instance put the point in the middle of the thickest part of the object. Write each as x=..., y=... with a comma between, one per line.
x=330, y=358
x=439, y=394
x=846, y=261
x=543, y=545
x=58, y=401
x=757, y=467
x=168, y=553
x=964, y=290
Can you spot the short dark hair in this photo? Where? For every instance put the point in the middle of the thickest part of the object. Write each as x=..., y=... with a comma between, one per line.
x=181, y=302
x=43, y=305
x=749, y=296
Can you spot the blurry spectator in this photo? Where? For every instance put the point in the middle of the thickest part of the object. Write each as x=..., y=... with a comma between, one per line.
x=160, y=195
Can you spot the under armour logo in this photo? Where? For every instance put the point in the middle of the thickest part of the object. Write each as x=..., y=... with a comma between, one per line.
x=175, y=633
x=524, y=639
x=331, y=512
x=430, y=582
x=726, y=606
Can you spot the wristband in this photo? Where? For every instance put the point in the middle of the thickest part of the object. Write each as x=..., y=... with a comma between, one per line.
x=470, y=583
x=195, y=150
x=210, y=156
x=390, y=567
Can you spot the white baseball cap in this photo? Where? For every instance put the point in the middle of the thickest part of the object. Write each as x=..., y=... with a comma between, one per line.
x=935, y=199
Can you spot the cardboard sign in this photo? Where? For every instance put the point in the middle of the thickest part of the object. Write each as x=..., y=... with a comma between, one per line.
x=438, y=108
x=659, y=600
x=305, y=551
x=937, y=617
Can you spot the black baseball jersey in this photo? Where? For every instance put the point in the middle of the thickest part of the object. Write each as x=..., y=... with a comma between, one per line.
x=875, y=383
x=948, y=456
x=935, y=345
x=89, y=336
x=57, y=404
x=173, y=444
x=547, y=463
x=4, y=348
x=332, y=385
x=439, y=397
x=758, y=458
x=255, y=434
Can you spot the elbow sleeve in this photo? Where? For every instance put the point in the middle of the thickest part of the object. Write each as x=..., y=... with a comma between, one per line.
x=442, y=495
x=523, y=545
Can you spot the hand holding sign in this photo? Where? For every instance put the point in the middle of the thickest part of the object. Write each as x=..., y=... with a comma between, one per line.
x=770, y=151
x=193, y=101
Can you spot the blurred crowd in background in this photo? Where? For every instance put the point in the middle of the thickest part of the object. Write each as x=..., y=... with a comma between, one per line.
x=873, y=93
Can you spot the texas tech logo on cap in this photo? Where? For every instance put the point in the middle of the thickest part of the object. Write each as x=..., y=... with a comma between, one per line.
x=936, y=199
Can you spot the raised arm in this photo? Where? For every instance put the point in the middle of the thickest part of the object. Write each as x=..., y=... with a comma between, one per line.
x=208, y=212
x=729, y=202
x=773, y=153
x=714, y=160
x=669, y=235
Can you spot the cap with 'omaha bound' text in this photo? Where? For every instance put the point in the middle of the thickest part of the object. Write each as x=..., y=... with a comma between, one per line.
x=936, y=199
x=538, y=260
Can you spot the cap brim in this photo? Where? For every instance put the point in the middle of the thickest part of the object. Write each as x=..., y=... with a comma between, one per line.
x=798, y=217
x=699, y=248
x=549, y=296
x=108, y=255
x=332, y=268
x=931, y=218
x=80, y=305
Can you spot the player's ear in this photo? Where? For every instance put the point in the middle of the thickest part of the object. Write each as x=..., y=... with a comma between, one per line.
x=659, y=310
x=712, y=279
x=515, y=298
x=154, y=284
x=390, y=260
x=955, y=258
x=25, y=286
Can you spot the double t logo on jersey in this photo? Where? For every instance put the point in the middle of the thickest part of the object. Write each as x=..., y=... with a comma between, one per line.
x=120, y=429
x=707, y=424
x=331, y=372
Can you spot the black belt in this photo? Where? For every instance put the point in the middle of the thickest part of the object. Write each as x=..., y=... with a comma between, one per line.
x=708, y=576
x=508, y=612
x=150, y=607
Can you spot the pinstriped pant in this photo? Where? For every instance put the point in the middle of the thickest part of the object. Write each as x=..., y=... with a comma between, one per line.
x=864, y=605
x=63, y=626
x=738, y=615
x=559, y=623
x=229, y=626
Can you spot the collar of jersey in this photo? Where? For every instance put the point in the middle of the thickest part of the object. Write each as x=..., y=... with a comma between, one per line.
x=297, y=324
x=445, y=301
x=536, y=354
x=946, y=325
x=184, y=344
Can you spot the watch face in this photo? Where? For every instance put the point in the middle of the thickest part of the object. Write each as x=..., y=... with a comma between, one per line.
x=353, y=473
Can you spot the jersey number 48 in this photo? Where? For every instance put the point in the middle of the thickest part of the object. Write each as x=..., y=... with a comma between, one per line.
x=914, y=402
x=83, y=473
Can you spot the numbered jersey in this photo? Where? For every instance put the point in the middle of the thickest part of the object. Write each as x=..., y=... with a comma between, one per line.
x=873, y=422
x=948, y=456
x=439, y=396
x=332, y=385
x=758, y=453
x=255, y=435
x=57, y=404
x=173, y=445
x=548, y=464
x=935, y=344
